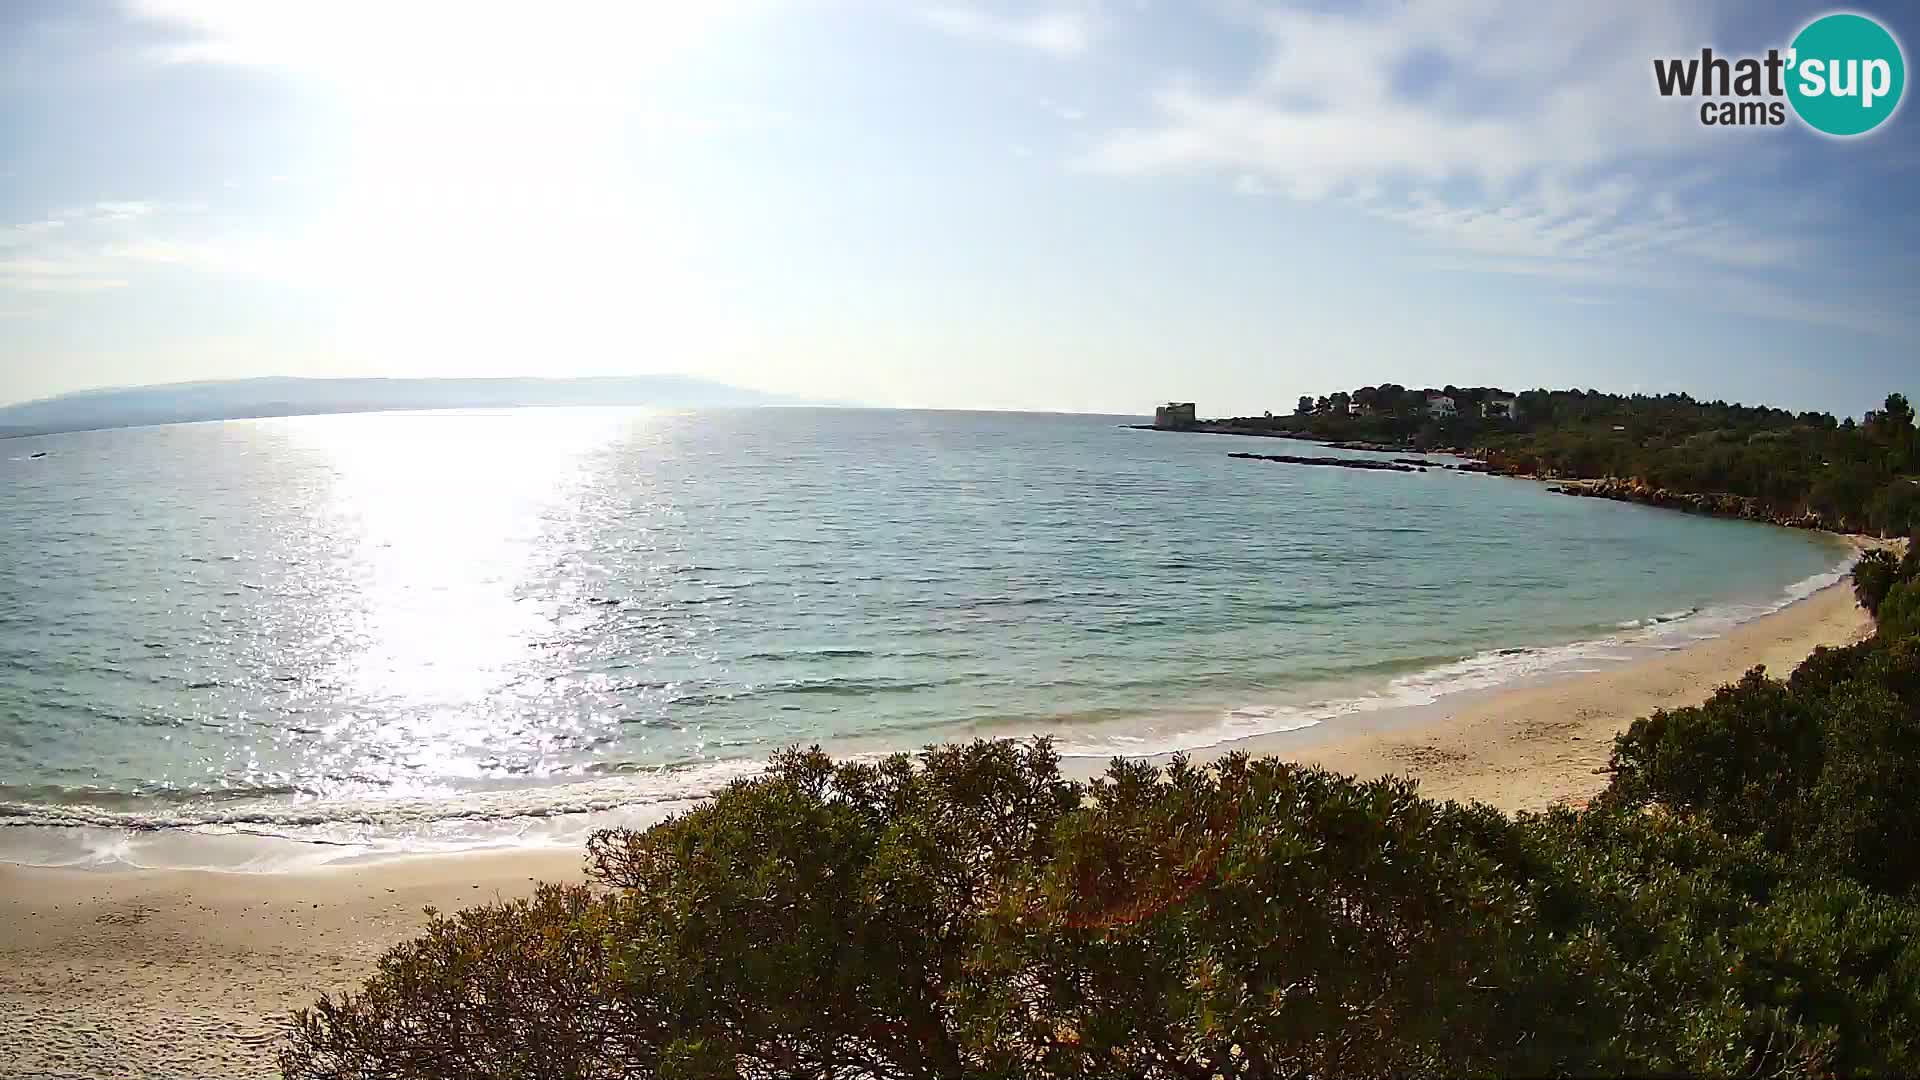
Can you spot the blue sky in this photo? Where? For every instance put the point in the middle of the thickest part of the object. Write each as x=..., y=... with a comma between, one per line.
x=1063, y=205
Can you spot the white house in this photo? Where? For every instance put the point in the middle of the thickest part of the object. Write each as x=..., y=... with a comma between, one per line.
x=1500, y=408
x=1440, y=405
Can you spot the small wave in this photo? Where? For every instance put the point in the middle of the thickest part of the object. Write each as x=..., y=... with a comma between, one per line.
x=1008, y=601
x=561, y=814
x=809, y=654
x=1655, y=620
x=830, y=687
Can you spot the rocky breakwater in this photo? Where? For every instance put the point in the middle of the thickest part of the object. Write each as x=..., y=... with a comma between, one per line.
x=1226, y=427
x=1342, y=463
x=1464, y=466
x=1697, y=502
x=1404, y=464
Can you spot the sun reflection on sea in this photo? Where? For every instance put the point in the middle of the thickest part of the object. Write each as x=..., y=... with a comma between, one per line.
x=449, y=521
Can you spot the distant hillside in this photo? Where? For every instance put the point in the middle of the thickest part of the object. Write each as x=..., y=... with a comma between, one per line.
x=181, y=403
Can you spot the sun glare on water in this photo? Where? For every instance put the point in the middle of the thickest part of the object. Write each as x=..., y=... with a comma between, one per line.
x=449, y=523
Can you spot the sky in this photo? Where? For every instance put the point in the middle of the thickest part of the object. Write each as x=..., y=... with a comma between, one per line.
x=1060, y=205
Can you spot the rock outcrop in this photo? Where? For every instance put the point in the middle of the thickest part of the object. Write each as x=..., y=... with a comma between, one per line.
x=1715, y=503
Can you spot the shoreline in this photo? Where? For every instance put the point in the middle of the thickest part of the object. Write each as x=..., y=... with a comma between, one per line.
x=188, y=972
x=271, y=837
x=1486, y=462
x=1529, y=747
x=262, y=838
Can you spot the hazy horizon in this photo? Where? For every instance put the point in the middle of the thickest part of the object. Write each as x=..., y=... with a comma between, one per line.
x=1064, y=205
x=1221, y=409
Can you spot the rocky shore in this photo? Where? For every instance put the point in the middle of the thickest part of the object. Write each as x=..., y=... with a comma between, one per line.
x=1719, y=505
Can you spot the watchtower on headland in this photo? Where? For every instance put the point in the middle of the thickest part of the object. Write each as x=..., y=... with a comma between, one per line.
x=1175, y=414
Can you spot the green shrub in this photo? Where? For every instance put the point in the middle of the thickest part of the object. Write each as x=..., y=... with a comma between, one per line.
x=1829, y=666
x=1875, y=573
x=1895, y=508
x=1744, y=757
x=522, y=989
x=1250, y=919
x=1899, y=614
x=1861, y=808
x=975, y=914
x=1844, y=964
x=1824, y=768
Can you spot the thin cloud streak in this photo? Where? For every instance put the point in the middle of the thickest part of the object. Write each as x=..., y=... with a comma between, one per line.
x=1062, y=31
x=1518, y=152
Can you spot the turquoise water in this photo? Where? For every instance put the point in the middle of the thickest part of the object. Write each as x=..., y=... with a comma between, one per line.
x=416, y=618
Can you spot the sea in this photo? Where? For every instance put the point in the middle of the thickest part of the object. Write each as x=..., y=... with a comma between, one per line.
x=262, y=644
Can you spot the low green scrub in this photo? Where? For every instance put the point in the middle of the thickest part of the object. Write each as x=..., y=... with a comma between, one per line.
x=1873, y=576
x=1823, y=767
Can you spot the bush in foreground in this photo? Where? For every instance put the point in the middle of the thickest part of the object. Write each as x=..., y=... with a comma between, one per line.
x=1823, y=768
x=1899, y=614
x=975, y=914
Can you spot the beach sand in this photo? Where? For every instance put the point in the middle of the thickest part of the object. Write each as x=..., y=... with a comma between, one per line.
x=189, y=973
x=1530, y=747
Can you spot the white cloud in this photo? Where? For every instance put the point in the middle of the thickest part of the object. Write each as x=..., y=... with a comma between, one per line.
x=574, y=51
x=1483, y=89
x=1524, y=138
x=95, y=248
x=1705, y=287
x=1072, y=114
x=1063, y=30
x=1249, y=184
x=117, y=211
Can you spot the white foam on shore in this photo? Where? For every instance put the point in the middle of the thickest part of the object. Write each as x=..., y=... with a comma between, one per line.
x=1483, y=671
x=273, y=835
x=266, y=835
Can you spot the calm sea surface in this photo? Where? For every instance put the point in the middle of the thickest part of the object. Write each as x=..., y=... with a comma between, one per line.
x=403, y=619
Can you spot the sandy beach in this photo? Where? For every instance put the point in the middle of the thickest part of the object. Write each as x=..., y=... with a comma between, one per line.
x=188, y=974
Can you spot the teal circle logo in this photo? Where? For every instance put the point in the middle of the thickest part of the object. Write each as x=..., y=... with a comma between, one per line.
x=1845, y=74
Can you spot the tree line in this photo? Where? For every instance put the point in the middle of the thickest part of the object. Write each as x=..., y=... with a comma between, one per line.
x=1855, y=476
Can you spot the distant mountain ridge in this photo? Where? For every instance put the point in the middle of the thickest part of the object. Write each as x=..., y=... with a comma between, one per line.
x=182, y=403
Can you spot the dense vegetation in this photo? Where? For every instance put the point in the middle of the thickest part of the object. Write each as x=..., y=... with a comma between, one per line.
x=1862, y=477
x=1739, y=902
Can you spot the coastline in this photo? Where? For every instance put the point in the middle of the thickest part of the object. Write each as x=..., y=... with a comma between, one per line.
x=1534, y=746
x=1488, y=462
x=188, y=973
